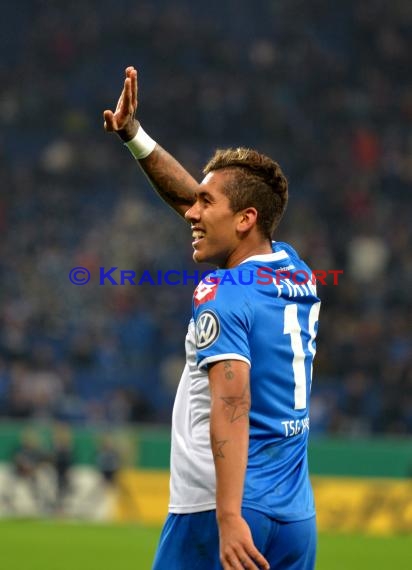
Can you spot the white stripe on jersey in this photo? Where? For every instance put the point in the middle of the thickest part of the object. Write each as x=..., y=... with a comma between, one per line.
x=275, y=256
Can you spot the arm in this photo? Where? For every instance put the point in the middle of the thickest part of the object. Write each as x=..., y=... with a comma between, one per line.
x=168, y=177
x=229, y=435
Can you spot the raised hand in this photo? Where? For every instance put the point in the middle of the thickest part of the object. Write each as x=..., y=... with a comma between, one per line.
x=167, y=176
x=123, y=121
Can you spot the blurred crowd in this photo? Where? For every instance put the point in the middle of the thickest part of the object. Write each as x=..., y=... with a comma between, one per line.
x=324, y=89
x=43, y=475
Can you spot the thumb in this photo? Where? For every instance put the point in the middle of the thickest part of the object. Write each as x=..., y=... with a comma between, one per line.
x=110, y=123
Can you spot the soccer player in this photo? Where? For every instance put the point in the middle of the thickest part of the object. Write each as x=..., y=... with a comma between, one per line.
x=240, y=495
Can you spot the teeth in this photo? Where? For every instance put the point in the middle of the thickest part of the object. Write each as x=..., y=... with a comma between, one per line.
x=197, y=234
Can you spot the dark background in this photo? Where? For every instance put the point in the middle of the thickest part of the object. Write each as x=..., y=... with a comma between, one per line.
x=324, y=88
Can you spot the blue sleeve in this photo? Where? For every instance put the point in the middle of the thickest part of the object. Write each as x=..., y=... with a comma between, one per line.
x=222, y=325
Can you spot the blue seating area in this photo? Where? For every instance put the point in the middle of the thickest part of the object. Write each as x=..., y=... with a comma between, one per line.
x=324, y=89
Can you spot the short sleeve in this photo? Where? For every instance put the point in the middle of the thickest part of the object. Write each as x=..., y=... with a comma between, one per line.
x=223, y=321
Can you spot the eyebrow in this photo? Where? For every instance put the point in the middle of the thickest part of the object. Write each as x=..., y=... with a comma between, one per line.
x=204, y=194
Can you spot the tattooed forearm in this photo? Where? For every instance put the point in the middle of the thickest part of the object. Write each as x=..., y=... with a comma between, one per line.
x=172, y=182
x=229, y=374
x=238, y=406
x=217, y=446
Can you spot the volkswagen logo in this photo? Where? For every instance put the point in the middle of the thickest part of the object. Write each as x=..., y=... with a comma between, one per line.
x=207, y=329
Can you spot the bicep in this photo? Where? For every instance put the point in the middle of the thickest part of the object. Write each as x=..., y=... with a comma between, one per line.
x=229, y=384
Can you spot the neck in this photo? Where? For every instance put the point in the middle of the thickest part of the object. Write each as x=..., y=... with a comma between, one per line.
x=246, y=250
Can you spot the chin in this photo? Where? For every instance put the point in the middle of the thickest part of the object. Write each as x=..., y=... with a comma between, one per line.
x=199, y=257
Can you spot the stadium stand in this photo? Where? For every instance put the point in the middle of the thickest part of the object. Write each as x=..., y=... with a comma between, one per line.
x=327, y=92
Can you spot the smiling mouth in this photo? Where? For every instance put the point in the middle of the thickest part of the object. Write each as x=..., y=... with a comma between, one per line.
x=197, y=236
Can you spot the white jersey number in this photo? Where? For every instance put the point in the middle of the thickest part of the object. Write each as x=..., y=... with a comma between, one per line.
x=292, y=327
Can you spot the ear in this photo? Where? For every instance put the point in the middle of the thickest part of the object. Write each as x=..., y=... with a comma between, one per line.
x=247, y=219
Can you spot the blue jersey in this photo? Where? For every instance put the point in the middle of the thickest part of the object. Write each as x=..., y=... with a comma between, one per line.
x=265, y=312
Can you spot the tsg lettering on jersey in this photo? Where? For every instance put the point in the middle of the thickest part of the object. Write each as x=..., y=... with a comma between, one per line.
x=295, y=427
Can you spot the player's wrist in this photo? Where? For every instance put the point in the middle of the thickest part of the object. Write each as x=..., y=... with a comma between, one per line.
x=141, y=145
x=226, y=514
x=229, y=510
x=128, y=132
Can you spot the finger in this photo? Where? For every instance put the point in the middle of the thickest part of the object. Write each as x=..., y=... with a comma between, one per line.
x=232, y=564
x=109, y=120
x=255, y=555
x=238, y=561
x=120, y=101
x=247, y=564
x=131, y=74
x=125, y=107
x=133, y=80
x=245, y=560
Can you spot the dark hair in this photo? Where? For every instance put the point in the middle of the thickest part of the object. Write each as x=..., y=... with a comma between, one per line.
x=257, y=181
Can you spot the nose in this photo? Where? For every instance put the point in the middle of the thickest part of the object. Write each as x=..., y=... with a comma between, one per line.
x=193, y=213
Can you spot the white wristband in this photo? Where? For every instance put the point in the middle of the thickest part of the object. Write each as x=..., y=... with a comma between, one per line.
x=141, y=145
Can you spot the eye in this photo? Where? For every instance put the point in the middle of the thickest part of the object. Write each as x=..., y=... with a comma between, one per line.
x=204, y=200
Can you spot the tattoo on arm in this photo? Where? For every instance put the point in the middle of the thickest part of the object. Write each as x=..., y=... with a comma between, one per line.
x=217, y=447
x=240, y=405
x=229, y=374
x=173, y=183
